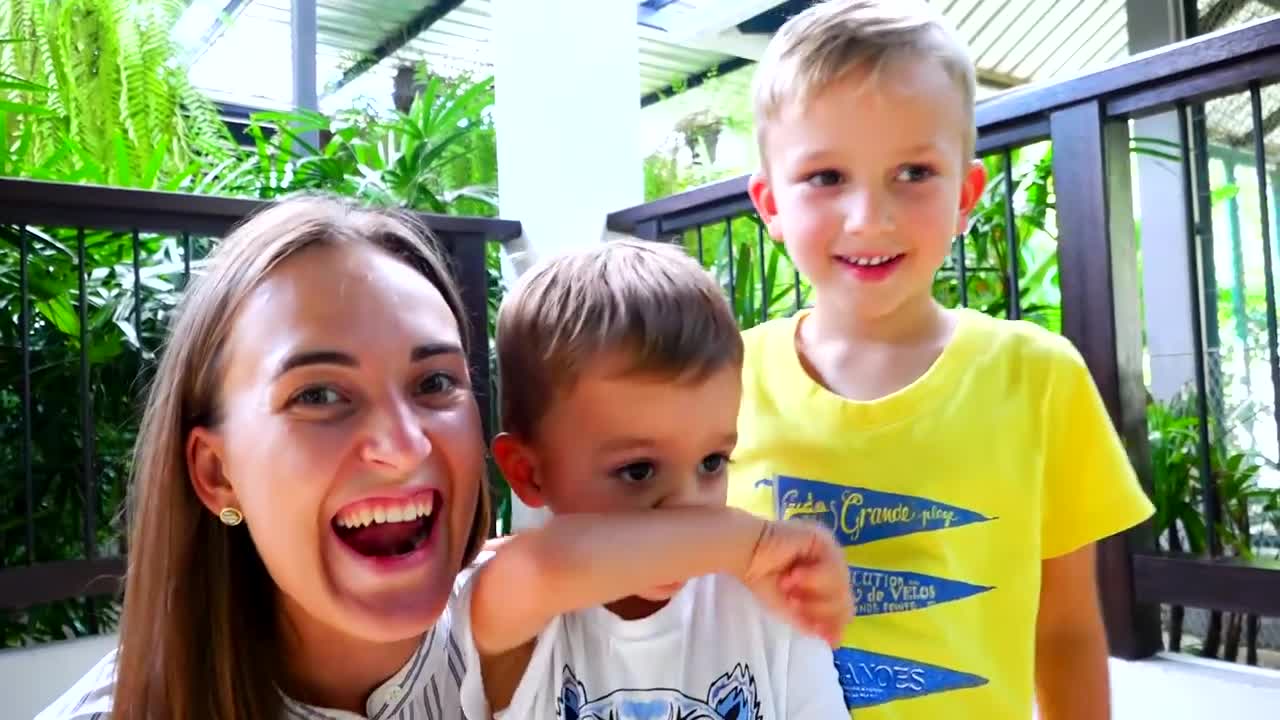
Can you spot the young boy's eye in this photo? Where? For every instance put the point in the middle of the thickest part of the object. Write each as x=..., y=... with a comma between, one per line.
x=636, y=472
x=825, y=178
x=914, y=173
x=437, y=383
x=713, y=464
x=316, y=396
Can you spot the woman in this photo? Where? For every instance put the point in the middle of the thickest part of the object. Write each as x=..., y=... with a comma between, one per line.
x=308, y=482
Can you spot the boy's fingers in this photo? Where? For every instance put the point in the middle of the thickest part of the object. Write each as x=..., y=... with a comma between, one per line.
x=816, y=580
x=834, y=603
x=836, y=607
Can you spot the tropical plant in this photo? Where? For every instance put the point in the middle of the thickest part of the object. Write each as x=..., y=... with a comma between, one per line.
x=1178, y=495
x=89, y=93
x=439, y=156
x=990, y=265
x=101, y=96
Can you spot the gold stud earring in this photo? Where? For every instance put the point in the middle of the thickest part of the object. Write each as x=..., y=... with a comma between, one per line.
x=230, y=516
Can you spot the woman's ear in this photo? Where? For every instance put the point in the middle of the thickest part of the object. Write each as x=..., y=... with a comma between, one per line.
x=205, y=469
x=519, y=465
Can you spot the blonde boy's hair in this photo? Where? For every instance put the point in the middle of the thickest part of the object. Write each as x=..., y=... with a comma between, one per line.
x=646, y=303
x=820, y=45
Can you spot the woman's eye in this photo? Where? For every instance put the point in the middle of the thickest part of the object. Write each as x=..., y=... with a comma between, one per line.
x=637, y=472
x=914, y=173
x=713, y=464
x=824, y=178
x=437, y=384
x=317, y=397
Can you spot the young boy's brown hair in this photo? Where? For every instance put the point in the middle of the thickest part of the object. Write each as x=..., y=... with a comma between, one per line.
x=647, y=305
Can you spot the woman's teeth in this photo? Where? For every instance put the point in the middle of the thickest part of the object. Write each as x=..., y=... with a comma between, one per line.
x=387, y=512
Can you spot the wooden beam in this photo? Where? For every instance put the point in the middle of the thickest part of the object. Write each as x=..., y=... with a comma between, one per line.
x=1101, y=316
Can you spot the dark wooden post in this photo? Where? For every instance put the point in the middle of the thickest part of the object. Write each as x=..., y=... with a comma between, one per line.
x=467, y=251
x=1101, y=314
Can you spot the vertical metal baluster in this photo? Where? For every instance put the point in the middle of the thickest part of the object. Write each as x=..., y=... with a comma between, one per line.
x=764, y=280
x=1264, y=216
x=142, y=354
x=28, y=447
x=86, y=422
x=728, y=240
x=1014, y=308
x=701, y=258
x=186, y=259
x=137, y=294
x=962, y=272
x=1208, y=483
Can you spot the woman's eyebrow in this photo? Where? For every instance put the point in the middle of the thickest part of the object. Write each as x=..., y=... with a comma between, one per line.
x=315, y=357
x=335, y=357
x=422, y=352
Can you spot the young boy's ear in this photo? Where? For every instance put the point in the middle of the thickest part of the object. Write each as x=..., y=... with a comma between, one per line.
x=766, y=204
x=975, y=181
x=520, y=468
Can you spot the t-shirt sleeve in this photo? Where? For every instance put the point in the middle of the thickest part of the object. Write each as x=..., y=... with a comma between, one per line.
x=90, y=698
x=1090, y=488
x=530, y=698
x=529, y=693
x=475, y=705
x=813, y=686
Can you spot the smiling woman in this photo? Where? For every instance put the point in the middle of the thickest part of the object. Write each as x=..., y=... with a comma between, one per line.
x=307, y=484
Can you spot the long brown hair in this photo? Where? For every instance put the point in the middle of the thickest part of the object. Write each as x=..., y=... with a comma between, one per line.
x=198, y=634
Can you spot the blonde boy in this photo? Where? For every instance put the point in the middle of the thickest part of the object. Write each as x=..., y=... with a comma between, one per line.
x=967, y=464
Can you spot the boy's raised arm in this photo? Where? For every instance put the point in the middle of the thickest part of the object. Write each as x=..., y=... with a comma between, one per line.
x=578, y=561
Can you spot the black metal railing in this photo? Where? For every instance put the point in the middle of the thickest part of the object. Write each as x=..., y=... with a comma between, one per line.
x=87, y=277
x=1059, y=159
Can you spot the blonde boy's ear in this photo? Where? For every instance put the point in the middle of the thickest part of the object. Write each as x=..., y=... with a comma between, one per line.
x=975, y=181
x=519, y=466
x=766, y=204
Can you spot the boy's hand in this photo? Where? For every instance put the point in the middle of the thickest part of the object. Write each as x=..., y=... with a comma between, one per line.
x=798, y=570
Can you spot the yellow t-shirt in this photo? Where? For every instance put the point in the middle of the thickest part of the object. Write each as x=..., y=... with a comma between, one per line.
x=947, y=495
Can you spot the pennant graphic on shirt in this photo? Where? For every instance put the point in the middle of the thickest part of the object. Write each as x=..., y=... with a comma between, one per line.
x=870, y=679
x=858, y=516
x=878, y=592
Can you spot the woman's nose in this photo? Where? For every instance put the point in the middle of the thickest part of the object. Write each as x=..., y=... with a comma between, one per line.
x=397, y=439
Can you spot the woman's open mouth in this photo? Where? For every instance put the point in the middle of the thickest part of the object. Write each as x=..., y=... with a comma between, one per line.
x=387, y=527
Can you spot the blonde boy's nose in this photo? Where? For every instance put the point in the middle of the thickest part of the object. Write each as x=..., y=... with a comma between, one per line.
x=864, y=212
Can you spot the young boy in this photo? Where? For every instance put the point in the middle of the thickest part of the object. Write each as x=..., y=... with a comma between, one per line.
x=967, y=464
x=621, y=376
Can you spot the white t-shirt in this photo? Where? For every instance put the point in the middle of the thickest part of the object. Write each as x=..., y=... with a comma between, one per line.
x=712, y=653
x=425, y=688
